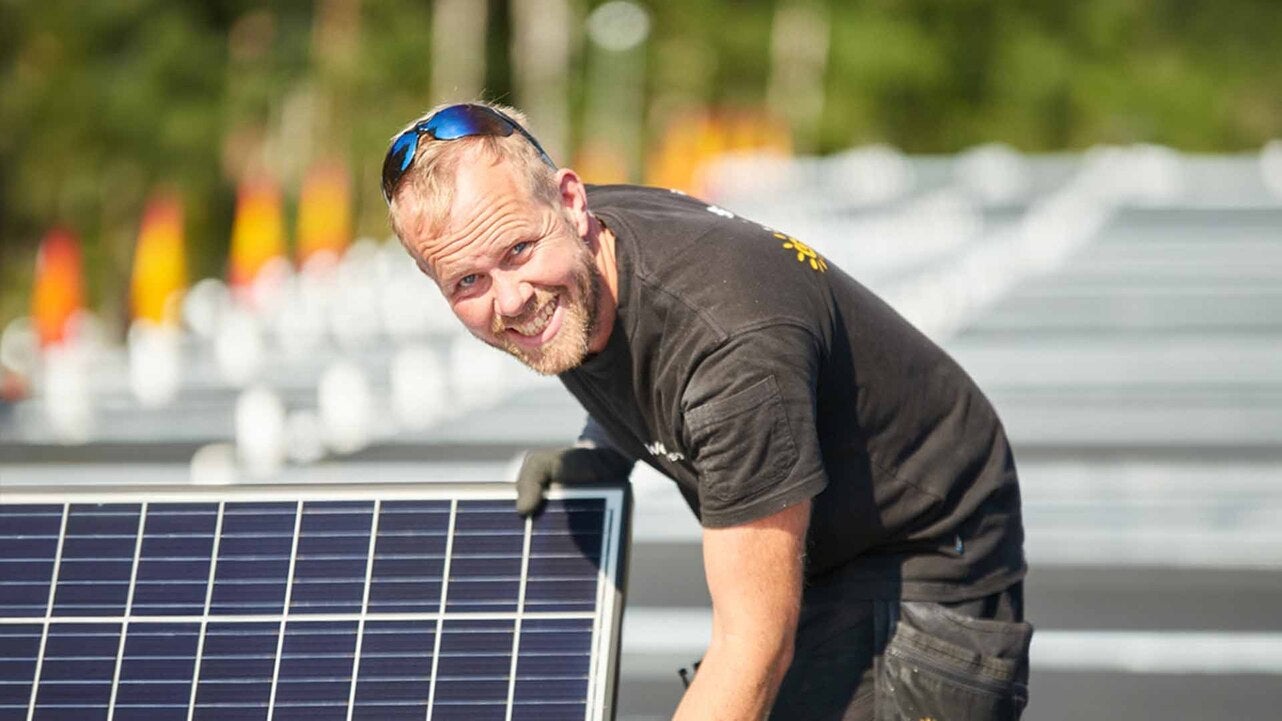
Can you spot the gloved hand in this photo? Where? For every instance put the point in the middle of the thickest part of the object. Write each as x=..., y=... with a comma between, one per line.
x=566, y=466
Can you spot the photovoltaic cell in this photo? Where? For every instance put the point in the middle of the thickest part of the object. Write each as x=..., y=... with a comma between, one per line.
x=485, y=569
x=19, y=651
x=28, y=545
x=173, y=565
x=552, y=669
x=333, y=553
x=564, y=557
x=337, y=603
x=97, y=559
x=156, y=671
x=315, y=676
x=409, y=557
x=395, y=675
x=472, y=675
x=253, y=558
x=236, y=669
x=76, y=671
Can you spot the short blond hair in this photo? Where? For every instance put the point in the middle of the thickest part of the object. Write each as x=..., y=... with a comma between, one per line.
x=421, y=201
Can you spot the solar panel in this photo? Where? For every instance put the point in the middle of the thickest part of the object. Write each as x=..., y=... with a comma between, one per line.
x=425, y=602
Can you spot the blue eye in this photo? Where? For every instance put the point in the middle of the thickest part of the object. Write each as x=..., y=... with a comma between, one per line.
x=468, y=281
x=520, y=247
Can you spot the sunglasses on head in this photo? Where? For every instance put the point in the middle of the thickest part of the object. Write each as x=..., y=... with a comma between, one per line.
x=457, y=121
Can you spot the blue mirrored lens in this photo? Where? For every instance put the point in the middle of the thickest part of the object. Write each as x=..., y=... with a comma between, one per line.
x=465, y=121
x=405, y=147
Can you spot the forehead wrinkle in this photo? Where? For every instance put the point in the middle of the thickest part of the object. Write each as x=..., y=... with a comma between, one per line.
x=490, y=206
x=479, y=235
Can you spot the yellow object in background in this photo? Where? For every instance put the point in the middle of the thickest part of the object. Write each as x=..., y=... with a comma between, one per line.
x=324, y=211
x=160, y=266
x=258, y=230
x=59, y=286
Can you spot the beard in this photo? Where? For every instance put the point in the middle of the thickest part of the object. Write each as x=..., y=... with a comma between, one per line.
x=578, y=305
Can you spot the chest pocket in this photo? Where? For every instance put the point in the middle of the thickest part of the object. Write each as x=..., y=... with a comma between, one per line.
x=742, y=445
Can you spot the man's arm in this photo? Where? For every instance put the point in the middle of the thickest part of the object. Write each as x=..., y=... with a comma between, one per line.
x=754, y=574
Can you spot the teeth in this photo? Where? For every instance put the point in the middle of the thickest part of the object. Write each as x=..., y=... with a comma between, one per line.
x=539, y=322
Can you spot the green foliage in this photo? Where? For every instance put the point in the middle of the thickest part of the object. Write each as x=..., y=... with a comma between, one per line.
x=934, y=76
x=99, y=102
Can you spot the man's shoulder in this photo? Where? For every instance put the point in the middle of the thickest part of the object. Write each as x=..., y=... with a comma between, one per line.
x=637, y=196
x=688, y=256
x=659, y=216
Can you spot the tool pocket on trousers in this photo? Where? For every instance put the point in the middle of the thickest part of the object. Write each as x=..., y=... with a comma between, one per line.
x=940, y=664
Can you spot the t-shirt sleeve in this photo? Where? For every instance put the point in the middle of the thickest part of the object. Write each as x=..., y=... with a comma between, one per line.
x=749, y=413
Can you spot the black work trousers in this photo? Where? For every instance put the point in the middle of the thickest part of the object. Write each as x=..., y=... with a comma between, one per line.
x=914, y=660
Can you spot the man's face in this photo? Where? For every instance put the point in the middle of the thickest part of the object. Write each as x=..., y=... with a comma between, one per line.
x=514, y=270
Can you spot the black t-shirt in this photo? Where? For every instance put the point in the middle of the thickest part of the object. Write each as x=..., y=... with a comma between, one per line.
x=754, y=374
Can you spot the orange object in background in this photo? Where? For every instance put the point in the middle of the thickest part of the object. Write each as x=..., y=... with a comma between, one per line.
x=694, y=139
x=324, y=211
x=59, y=286
x=258, y=230
x=160, y=266
x=601, y=164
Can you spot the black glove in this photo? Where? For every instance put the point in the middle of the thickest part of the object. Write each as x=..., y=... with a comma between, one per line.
x=566, y=466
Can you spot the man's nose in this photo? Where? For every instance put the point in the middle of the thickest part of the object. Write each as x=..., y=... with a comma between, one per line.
x=511, y=295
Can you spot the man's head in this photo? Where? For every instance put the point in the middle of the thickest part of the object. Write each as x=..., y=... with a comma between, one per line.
x=507, y=237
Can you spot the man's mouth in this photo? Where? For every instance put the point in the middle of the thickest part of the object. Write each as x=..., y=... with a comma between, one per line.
x=537, y=322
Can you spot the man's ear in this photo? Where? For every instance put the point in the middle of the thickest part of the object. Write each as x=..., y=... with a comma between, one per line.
x=574, y=200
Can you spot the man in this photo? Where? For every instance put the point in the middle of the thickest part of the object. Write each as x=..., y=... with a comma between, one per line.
x=862, y=538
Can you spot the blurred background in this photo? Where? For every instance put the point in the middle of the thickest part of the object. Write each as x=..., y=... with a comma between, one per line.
x=1082, y=202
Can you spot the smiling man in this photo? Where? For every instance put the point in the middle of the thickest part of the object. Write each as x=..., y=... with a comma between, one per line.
x=862, y=538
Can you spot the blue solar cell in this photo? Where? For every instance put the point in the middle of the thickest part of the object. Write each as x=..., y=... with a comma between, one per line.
x=315, y=679
x=485, y=566
x=414, y=516
x=333, y=553
x=30, y=519
x=156, y=672
x=394, y=678
x=483, y=595
x=236, y=669
x=579, y=514
x=465, y=711
x=409, y=557
x=552, y=668
x=560, y=594
x=19, y=649
x=165, y=520
x=173, y=565
x=565, y=551
x=581, y=543
x=76, y=674
x=253, y=558
x=554, y=637
x=548, y=711
x=28, y=546
x=563, y=567
x=411, y=594
x=473, y=669
x=259, y=518
x=97, y=559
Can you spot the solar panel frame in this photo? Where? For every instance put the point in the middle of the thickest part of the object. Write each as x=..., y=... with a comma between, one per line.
x=606, y=617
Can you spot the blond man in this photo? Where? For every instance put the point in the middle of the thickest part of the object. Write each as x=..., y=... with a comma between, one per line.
x=862, y=537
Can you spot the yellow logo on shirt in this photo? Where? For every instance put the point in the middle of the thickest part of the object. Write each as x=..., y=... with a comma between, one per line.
x=804, y=252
